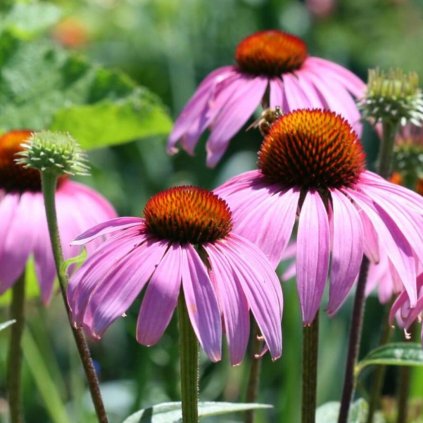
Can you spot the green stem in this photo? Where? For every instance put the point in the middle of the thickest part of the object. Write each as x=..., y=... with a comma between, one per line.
x=189, y=365
x=379, y=370
x=49, y=182
x=387, y=149
x=254, y=376
x=403, y=393
x=310, y=356
x=14, y=362
x=354, y=342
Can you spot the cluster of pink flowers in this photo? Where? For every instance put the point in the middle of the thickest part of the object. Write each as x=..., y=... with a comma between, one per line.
x=220, y=250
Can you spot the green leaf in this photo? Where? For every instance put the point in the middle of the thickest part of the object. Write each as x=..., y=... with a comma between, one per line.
x=394, y=354
x=27, y=19
x=328, y=413
x=6, y=324
x=43, y=86
x=170, y=412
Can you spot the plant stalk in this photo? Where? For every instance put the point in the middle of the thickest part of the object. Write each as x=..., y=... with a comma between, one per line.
x=14, y=361
x=386, y=153
x=49, y=182
x=354, y=342
x=309, y=385
x=189, y=365
x=254, y=376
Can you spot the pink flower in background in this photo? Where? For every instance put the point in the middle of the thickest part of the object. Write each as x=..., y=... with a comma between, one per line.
x=184, y=244
x=404, y=313
x=311, y=167
x=272, y=66
x=23, y=225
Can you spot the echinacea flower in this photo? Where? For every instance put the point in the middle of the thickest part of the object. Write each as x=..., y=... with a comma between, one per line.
x=404, y=313
x=311, y=166
x=184, y=244
x=23, y=225
x=273, y=68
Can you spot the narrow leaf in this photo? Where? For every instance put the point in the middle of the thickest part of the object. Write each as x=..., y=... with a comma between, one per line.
x=170, y=412
x=6, y=324
x=394, y=354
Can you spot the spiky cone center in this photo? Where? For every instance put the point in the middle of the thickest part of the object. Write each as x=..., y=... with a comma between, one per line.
x=311, y=149
x=54, y=152
x=15, y=177
x=188, y=214
x=393, y=96
x=270, y=53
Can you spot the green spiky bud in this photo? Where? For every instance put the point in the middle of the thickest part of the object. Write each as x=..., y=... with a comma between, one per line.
x=53, y=152
x=392, y=96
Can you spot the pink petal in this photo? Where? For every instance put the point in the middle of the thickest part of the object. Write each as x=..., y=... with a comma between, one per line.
x=18, y=243
x=233, y=114
x=232, y=301
x=107, y=227
x=396, y=247
x=312, y=255
x=277, y=94
x=201, y=303
x=295, y=96
x=276, y=214
x=116, y=293
x=347, y=249
x=261, y=287
x=160, y=298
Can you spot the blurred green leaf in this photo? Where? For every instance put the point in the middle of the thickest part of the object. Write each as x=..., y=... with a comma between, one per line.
x=27, y=19
x=44, y=87
x=170, y=412
x=42, y=378
x=394, y=354
x=5, y=325
x=328, y=413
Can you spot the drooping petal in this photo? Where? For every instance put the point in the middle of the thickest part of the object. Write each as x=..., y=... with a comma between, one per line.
x=18, y=243
x=232, y=301
x=261, y=287
x=121, y=286
x=312, y=255
x=395, y=245
x=347, y=249
x=161, y=298
x=201, y=302
x=295, y=96
x=276, y=215
x=108, y=227
x=277, y=94
x=192, y=116
x=8, y=206
x=233, y=114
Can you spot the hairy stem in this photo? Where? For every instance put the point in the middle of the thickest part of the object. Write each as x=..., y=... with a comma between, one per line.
x=310, y=356
x=189, y=365
x=354, y=342
x=254, y=376
x=14, y=361
x=49, y=182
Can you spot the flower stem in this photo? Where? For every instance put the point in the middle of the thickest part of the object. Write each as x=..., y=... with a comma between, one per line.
x=380, y=370
x=14, y=361
x=310, y=356
x=403, y=393
x=354, y=342
x=189, y=365
x=49, y=181
x=254, y=376
x=387, y=149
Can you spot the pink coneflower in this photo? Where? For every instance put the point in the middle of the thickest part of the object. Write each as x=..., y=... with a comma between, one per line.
x=311, y=166
x=183, y=244
x=272, y=67
x=23, y=228
x=406, y=314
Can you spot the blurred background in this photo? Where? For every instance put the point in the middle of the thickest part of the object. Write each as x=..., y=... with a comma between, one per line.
x=169, y=46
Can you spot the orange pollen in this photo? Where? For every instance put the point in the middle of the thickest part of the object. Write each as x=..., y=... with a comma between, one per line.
x=311, y=149
x=270, y=53
x=14, y=177
x=188, y=214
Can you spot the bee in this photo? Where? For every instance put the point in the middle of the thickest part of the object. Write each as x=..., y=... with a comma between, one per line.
x=266, y=119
